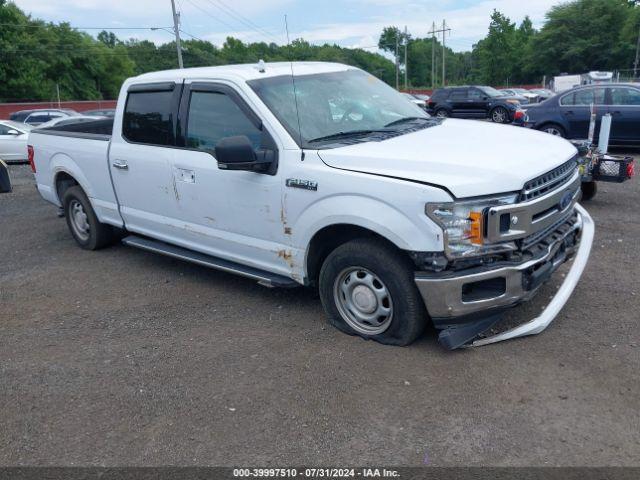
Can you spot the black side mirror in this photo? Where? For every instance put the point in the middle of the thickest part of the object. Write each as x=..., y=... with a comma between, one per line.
x=237, y=153
x=5, y=181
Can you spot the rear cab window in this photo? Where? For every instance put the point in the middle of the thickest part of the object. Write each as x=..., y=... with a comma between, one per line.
x=149, y=115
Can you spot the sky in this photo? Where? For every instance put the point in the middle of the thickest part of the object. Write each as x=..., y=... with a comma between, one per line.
x=349, y=23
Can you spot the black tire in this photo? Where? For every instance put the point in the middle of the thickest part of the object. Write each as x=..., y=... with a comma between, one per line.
x=409, y=315
x=98, y=235
x=589, y=190
x=553, y=129
x=500, y=115
x=442, y=113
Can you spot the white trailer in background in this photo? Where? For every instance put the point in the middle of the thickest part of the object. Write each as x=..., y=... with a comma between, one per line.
x=565, y=82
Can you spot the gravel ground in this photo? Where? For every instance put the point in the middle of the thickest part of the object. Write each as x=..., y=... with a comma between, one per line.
x=122, y=357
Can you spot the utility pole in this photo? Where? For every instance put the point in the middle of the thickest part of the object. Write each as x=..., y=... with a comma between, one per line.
x=406, y=67
x=433, y=55
x=433, y=31
x=397, y=67
x=635, y=64
x=176, y=29
x=444, y=34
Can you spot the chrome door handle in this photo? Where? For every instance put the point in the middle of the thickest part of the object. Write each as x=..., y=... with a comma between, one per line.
x=121, y=164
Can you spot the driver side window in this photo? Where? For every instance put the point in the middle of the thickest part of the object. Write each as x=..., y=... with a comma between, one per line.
x=475, y=94
x=214, y=116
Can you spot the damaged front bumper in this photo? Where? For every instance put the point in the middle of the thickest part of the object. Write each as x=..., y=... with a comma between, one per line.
x=464, y=305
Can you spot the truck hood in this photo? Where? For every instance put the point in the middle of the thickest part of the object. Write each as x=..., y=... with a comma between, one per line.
x=467, y=157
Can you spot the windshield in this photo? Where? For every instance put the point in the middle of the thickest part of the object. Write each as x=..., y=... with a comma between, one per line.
x=334, y=104
x=491, y=92
x=520, y=90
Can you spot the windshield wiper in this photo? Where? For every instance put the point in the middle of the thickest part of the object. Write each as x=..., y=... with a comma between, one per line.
x=350, y=133
x=406, y=119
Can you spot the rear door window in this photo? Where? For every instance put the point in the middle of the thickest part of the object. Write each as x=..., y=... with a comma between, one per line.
x=148, y=118
x=584, y=97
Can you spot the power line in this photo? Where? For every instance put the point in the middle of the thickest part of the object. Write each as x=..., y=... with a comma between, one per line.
x=48, y=25
x=194, y=37
x=216, y=18
x=241, y=18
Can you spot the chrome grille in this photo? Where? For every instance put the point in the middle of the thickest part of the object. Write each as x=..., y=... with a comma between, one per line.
x=548, y=181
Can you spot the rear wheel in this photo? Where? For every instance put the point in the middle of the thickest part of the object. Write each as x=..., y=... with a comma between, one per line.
x=500, y=115
x=82, y=221
x=553, y=129
x=442, y=113
x=368, y=289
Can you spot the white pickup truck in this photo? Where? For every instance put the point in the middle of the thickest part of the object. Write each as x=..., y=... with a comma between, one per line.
x=319, y=174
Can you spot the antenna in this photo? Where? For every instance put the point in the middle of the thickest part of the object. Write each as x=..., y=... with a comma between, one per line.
x=293, y=82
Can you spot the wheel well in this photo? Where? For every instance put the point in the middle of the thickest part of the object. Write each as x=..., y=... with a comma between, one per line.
x=62, y=182
x=328, y=239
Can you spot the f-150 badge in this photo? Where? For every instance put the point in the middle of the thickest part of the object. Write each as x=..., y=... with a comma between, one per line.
x=303, y=184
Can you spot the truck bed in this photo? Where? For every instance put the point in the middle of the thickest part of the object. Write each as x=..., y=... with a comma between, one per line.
x=81, y=149
x=101, y=129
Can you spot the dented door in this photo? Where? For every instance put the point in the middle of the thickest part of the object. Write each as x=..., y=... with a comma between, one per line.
x=234, y=215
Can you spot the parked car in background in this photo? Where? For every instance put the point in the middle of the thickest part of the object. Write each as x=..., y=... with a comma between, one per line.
x=568, y=114
x=5, y=180
x=38, y=117
x=70, y=120
x=474, y=102
x=512, y=94
x=105, y=112
x=22, y=115
x=543, y=93
x=415, y=100
x=530, y=95
x=13, y=141
x=421, y=96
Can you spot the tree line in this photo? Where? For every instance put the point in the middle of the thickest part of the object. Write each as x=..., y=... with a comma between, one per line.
x=38, y=59
x=577, y=37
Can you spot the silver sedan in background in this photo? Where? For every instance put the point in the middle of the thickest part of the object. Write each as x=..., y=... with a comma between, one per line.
x=13, y=141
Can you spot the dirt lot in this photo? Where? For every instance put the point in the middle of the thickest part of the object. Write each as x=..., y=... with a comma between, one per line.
x=121, y=357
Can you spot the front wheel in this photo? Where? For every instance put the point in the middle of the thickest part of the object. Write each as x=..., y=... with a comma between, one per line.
x=367, y=288
x=442, y=113
x=500, y=115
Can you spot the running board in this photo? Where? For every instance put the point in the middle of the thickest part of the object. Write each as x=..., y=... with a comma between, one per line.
x=262, y=277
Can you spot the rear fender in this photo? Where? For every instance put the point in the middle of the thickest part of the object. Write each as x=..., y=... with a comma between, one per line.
x=61, y=162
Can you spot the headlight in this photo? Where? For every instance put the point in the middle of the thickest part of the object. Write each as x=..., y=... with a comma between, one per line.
x=515, y=102
x=463, y=225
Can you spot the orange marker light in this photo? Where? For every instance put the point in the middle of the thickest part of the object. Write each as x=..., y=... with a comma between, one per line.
x=475, y=232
